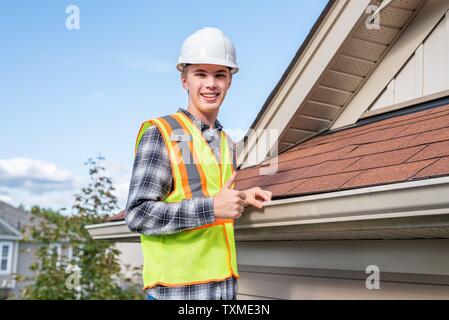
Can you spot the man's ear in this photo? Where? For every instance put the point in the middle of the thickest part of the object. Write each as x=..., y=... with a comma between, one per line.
x=184, y=82
x=230, y=78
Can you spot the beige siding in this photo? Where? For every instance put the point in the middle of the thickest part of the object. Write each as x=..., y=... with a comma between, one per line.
x=409, y=269
x=425, y=73
x=394, y=256
x=130, y=258
x=279, y=283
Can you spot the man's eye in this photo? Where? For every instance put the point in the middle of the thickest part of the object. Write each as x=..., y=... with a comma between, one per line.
x=221, y=75
x=200, y=74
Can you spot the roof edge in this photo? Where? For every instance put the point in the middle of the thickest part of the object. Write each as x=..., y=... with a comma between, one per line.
x=386, y=209
x=12, y=229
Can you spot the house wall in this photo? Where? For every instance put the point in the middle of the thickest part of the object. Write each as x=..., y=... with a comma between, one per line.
x=7, y=283
x=335, y=269
x=425, y=73
x=409, y=269
x=26, y=257
x=130, y=257
x=280, y=284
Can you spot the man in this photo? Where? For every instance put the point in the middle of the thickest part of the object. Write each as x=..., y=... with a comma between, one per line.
x=181, y=199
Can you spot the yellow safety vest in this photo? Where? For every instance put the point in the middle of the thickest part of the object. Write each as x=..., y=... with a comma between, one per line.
x=202, y=254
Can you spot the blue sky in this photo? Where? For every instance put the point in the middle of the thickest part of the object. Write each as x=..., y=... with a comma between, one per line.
x=67, y=95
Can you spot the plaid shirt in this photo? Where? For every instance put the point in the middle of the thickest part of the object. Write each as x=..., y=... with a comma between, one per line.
x=146, y=213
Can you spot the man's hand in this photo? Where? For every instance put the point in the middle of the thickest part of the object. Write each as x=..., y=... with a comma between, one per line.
x=228, y=203
x=257, y=197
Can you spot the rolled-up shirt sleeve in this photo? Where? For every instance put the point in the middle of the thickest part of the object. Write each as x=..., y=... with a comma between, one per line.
x=151, y=183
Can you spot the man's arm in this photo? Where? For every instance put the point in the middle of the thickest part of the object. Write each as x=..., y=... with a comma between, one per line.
x=152, y=182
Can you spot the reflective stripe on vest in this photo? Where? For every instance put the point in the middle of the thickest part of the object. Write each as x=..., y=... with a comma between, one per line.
x=201, y=254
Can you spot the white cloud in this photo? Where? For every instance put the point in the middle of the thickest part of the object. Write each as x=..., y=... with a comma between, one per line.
x=34, y=168
x=6, y=198
x=35, y=176
x=35, y=182
x=52, y=199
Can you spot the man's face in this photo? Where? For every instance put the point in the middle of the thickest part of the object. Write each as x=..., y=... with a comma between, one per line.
x=207, y=85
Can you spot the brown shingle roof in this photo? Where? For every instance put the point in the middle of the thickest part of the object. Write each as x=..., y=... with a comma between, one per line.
x=398, y=149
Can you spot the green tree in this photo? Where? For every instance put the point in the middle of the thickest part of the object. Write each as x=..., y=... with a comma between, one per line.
x=93, y=270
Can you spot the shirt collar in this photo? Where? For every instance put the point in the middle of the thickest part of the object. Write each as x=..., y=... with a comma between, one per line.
x=200, y=124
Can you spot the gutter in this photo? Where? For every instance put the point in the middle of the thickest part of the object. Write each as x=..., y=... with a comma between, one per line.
x=2, y=237
x=406, y=210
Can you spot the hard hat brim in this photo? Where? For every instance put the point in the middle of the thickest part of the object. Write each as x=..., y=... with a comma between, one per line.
x=234, y=68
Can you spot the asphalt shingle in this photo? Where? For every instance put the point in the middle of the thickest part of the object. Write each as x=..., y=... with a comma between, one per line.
x=403, y=148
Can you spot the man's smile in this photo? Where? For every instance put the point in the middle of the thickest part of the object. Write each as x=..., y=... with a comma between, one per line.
x=210, y=97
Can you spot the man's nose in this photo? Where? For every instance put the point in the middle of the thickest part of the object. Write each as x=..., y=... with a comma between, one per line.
x=211, y=82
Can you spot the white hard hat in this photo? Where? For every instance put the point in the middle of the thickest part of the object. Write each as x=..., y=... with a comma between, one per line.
x=208, y=46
